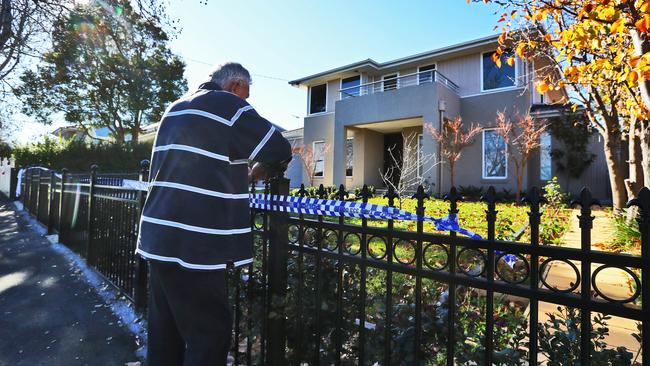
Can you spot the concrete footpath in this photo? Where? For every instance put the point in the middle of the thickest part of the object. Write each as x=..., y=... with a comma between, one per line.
x=48, y=314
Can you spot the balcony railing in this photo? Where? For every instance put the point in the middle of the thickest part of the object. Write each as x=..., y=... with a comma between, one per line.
x=399, y=82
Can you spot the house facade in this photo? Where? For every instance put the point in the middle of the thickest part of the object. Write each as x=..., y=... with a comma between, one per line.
x=356, y=113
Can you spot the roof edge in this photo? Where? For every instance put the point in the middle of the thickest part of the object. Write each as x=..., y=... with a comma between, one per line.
x=372, y=63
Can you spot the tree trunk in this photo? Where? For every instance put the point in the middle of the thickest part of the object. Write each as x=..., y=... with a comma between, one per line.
x=634, y=182
x=451, y=173
x=135, y=135
x=641, y=47
x=644, y=142
x=615, y=169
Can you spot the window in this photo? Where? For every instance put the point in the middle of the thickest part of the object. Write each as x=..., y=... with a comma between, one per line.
x=390, y=82
x=495, y=155
x=349, y=159
x=350, y=87
x=319, y=158
x=497, y=77
x=424, y=76
x=545, y=160
x=420, y=152
x=318, y=99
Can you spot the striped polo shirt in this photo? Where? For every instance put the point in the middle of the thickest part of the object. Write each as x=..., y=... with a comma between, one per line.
x=197, y=209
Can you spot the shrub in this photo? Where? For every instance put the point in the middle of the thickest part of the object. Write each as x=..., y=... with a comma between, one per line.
x=78, y=155
x=471, y=193
x=627, y=237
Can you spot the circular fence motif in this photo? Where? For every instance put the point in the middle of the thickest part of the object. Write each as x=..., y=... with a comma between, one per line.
x=436, y=256
x=352, y=243
x=309, y=237
x=294, y=234
x=616, y=291
x=377, y=247
x=471, y=262
x=258, y=221
x=557, y=272
x=330, y=240
x=404, y=251
x=512, y=268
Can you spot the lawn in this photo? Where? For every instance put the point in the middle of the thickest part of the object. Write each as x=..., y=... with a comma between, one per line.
x=511, y=219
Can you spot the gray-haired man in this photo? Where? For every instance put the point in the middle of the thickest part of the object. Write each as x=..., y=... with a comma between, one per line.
x=196, y=219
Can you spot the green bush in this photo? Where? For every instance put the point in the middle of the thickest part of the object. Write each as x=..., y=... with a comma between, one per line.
x=627, y=237
x=78, y=155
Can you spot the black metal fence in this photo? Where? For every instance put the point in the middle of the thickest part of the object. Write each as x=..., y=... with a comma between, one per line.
x=325, y=290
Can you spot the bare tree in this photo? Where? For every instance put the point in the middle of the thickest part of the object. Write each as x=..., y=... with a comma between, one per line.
x=452, y=139
x=408, y=167
x=309, y=158
x=522, y=138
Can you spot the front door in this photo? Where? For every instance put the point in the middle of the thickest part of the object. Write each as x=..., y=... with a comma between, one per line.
x=393, y=143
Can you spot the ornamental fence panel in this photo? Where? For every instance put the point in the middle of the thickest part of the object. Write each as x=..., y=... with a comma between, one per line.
x=356, y=290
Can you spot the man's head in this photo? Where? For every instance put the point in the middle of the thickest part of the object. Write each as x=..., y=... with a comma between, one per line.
x=232, y=77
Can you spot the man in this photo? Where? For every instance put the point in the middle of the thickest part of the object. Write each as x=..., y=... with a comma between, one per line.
x=196, y=219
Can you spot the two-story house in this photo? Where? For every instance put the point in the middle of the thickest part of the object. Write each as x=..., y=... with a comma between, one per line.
x=363, y=109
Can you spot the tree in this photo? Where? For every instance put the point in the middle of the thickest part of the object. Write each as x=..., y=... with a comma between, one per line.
x=574, y=132
x=310, y=158
x=598, y=50
x=406, y=169
x=452, y=139
x=24, y=29
x=522, y=138
x=108, y=67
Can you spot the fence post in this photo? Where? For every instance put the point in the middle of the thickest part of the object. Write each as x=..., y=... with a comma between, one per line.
x=490, y=198
x=534, y=199
x=585, y=201
x=50, y=206
x=91, y=191
x=642, y=201
x=64, y=175
x=13, y=183
x=278, y=257
x=38, y=193
x=141, y=273
x=24, y=195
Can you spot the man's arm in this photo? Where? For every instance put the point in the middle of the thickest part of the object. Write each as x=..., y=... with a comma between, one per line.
x=257, y=139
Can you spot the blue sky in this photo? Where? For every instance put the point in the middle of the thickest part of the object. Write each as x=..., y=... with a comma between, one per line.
x=291, y=39
x=284, y=40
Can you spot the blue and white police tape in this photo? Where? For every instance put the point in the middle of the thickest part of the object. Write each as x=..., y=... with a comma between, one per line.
x=319, y=206
x=335, y=208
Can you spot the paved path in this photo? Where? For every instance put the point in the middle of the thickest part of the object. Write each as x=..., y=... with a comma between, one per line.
x=612, y=282
x=48, y=315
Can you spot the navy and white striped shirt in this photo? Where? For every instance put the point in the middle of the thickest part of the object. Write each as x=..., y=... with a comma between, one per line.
x=197, y=210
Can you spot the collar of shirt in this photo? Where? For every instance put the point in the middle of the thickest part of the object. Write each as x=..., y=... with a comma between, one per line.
x=209, y=86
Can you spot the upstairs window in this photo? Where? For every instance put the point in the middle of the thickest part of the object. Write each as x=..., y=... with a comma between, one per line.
x=497, y=77
x=425, y=74
x=350, y=87
x=318, y=99
x=495, y=155
x=390, y=82
x=319, y=158
x=349, y=157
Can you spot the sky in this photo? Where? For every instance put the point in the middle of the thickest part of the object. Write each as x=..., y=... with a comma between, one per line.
x=283, y=40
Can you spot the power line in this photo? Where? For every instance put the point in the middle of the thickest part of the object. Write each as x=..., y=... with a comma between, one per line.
x=257, y=75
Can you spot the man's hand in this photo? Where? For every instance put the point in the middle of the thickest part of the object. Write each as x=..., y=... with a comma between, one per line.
x=258, y=172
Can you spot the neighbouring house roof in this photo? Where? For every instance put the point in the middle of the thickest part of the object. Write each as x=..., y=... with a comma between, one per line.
x=371, y=64
x=554, y=110
x=293, y=134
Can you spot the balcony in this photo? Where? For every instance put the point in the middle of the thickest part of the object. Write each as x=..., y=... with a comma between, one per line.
x=399, y=82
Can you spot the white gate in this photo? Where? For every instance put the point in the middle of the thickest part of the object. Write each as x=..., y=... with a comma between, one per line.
x=5, y=176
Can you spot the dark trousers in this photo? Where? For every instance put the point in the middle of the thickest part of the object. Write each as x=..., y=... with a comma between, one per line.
x=190, y=321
